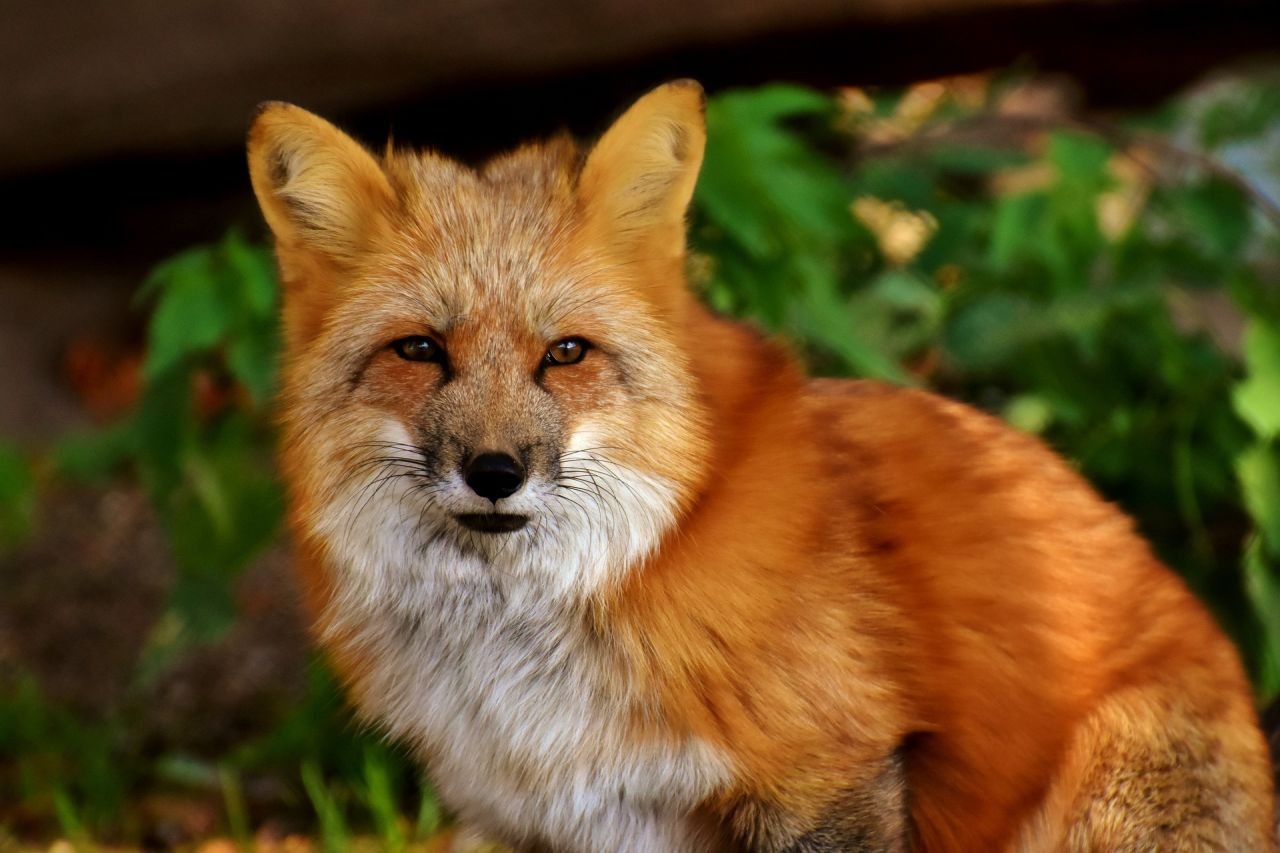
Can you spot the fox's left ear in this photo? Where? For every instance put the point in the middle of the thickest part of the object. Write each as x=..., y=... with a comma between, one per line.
x=325, y=197
x=639, y=178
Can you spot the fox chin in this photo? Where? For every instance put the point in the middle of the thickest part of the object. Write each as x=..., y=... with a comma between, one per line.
x=623, y=578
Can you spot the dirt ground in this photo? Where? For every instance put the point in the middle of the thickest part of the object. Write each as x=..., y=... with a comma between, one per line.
x=83, y=599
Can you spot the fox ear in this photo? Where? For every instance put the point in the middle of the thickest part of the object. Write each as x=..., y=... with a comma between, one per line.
x=321, y=193
x=639, y=178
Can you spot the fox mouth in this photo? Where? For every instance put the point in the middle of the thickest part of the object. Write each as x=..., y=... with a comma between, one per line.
x=492, y=522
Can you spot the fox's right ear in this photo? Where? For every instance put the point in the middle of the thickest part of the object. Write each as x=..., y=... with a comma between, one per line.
x=638, y=180
x=322, y=194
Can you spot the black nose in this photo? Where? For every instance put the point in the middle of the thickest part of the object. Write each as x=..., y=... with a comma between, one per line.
x=494, y=475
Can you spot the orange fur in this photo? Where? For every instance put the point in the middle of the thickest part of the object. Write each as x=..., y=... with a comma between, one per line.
x=857, y=578
x=964, y=584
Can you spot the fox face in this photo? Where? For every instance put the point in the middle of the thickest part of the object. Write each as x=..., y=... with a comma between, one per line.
x=485, y=370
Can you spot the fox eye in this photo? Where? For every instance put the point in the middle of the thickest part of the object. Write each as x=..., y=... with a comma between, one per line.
x=418, y=348
x=568, y=351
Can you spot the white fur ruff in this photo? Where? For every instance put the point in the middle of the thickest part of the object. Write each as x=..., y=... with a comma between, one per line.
x=479, y=656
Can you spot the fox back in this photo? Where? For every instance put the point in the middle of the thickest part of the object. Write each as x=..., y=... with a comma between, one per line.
x=625, y=579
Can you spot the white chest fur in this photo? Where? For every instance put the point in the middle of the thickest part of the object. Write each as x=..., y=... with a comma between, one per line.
x=510, y=701
x=475, y=651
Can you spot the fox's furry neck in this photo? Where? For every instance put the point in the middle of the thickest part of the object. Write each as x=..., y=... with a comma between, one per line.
x=517, y=707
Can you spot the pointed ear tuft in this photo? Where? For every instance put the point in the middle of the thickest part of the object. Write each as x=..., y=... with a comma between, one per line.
x=638, y=180
x=319, y=190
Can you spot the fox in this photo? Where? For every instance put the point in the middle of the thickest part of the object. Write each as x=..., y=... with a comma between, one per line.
x=622, y=577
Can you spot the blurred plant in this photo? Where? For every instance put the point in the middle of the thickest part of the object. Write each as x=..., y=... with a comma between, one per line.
x=198, y=442
x=1086, y=283
x=1257, y=401
x=198, y=445
x=62, y=766
x=17, y=496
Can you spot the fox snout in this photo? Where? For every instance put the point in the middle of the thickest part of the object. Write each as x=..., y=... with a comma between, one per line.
x=494, y=438
x=494, y=475
x=496, y=356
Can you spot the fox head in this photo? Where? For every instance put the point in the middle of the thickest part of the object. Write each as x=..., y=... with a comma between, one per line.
x=486, y=371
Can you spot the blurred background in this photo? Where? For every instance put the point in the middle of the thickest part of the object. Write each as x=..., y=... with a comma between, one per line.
x=1065, y=213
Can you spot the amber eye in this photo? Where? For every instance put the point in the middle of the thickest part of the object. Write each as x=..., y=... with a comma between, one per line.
x=568, y=351
x=418, y=348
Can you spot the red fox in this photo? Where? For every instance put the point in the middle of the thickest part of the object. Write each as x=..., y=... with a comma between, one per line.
x=623, y=578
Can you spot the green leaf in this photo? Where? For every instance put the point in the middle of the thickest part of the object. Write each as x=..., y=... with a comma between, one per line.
x=429, y=818
x=253, y=269
x=1257, y=293
x=1015, y=224
x=988, y=332
x=1029, y=413
x=92, y=456
x=191, y=317
x=193, y=262
x=1257, y=398
x=334, y=835
x=1259, y=472
x=252, y=359
x=380, y=797
x=227, y=509
x=1071, y=242
x=1079, y=158
x=17, y=497
x=204, y=607
x=820, y=315
x=166, y=426
x=901, y=179
x=896, y=315
x=761, y=181
x=1248, y=109
x=1217, y=214
x=235, y=807
x=906, y=291
x=1262, y=589
x=186, y=771
x=974, y=159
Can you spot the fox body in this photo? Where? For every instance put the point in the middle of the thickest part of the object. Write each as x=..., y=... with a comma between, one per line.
x=625, y=579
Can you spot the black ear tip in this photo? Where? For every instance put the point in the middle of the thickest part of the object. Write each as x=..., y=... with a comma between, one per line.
x=256, y=126
x=265, y=107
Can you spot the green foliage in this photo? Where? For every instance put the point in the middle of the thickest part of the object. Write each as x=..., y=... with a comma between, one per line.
x=1063, y=284
x=234, y=807
x=198, y=443
x=1257, y=398
x=62, y=764
x=1241, y=111
x=17, y=497
x=211, y=299
x=775, y=222
x=1050, y=280
x=379, y=793
x=334, y=834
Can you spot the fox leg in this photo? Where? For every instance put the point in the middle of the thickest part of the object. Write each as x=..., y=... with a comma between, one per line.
x=1151, y=769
